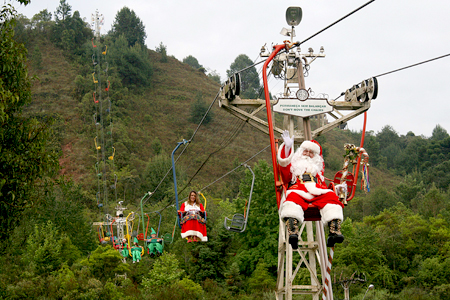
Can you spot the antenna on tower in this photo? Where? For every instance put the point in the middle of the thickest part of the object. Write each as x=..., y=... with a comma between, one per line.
x=96, y=23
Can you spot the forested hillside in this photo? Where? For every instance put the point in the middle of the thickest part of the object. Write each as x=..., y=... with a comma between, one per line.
x=87, y=122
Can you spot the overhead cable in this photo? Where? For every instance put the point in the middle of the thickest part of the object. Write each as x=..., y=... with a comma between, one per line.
x=404, y=68
x=184, y=149
x=347, y=15
x=410, y=66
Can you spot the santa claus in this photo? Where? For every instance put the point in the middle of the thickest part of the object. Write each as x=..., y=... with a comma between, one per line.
x=303, y=171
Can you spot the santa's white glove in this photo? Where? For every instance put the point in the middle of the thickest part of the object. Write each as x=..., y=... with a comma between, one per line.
x=288, y=142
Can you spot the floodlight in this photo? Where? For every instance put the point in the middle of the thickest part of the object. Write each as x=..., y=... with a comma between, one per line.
x=285, y=32
x=293, y=15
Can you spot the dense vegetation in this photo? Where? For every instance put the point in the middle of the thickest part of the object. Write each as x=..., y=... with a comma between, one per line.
x=397, y=235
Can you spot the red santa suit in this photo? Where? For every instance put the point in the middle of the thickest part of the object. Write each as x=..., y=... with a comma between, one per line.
x=301, y=193
x=192, y=223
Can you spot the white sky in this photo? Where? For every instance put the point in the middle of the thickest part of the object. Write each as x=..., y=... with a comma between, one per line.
x=383, y=36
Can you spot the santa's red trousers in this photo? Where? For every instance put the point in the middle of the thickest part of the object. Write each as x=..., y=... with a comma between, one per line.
x=318, y=201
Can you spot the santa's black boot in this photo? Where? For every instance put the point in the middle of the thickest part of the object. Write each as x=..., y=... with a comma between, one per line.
x=292, y=226
x=335, y=235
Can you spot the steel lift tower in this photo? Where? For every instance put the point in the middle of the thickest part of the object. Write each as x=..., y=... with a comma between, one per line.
x=298, y=105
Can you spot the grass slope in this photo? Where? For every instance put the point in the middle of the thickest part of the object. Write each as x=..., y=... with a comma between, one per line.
x=160, y=111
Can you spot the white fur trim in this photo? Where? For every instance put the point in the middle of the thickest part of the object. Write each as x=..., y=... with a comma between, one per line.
x=291, y=210
x=311, y=187
x=330, y=212
x=283, y=197
x=283, y=162
x=311, y=146
x=194, y=233
x=301, y=193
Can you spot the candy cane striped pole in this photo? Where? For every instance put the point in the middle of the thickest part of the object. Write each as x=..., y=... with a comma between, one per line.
x=328, y=276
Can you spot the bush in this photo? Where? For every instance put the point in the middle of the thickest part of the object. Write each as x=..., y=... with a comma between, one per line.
x=198, y=110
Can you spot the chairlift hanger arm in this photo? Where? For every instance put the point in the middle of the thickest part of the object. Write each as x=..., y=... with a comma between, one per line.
x=277, y=49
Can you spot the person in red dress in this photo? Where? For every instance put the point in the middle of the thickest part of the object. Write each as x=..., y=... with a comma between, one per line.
x=193, y=224
x=304, y=171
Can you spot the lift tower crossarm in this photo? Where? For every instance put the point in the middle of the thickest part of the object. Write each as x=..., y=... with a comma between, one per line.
x=234, y=108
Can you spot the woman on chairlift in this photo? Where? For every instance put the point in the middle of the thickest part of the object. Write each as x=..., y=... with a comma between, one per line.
x=193, y=219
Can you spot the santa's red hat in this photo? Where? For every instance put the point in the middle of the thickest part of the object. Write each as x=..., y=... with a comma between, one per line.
x=313, y=146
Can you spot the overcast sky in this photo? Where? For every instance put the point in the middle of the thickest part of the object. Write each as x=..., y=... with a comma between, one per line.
x=383, y=36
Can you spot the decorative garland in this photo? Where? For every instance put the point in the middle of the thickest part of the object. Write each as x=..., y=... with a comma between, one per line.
x=189, y=217
x=351, y=155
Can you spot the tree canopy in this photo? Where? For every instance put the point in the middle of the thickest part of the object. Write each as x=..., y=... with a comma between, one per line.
x=128, y=24
x=250, y=85
x=62, y=11
x=192, y=61
x=397, y=235
x=25, y=158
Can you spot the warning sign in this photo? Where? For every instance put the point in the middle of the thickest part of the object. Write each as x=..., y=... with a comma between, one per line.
x=307, y=108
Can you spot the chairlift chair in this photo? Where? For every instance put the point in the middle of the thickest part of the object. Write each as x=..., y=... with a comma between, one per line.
x=146, y=239
x=239, y=221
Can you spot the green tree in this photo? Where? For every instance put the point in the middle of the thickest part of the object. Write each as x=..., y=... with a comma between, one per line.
x=233, y=278
x=41, y=20
x=214, y=76
x=432, y=203
x=71, y=32
x=64, y=284
x=128, y=24
x=36, y=58
x=62, y=11
x=209, y=259
x=165, y=271
x=156, y=146
x=412, y=157
x=388, y=140
x=199, y=109
x=47, y=250
x=433, y=272
x=372, y=147
x=22, y=34
x=439, y=133
x=192, y=61
x=41, y=23
x=24, y=141
x=82, y=33
x=104, y=263
x=132, y=63
x=409, y=189
x=64, y=204
x=361, y=249
x=162, y=49
x=154, y=172
x=250, y=85
x=261, y=280
x=260, y=239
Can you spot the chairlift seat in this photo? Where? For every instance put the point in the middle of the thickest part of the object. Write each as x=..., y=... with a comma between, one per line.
x=167, y=238
x=312, y=213
x=237, y=223
x=349, y=179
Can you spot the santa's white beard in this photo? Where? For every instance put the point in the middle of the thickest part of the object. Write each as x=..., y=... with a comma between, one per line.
x=301, y=164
